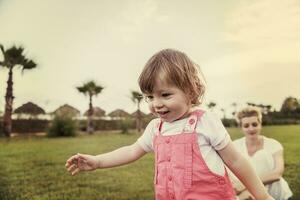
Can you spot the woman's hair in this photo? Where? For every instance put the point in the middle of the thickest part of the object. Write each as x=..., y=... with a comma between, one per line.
x=174, y=68
x=249, y=111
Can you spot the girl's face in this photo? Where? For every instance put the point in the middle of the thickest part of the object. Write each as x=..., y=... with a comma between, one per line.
x=251, y=126
x=168, y=102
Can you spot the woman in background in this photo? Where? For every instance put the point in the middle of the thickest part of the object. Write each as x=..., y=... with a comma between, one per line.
x=265, y=154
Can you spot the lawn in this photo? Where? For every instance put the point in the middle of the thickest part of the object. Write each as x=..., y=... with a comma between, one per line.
x=33, y=167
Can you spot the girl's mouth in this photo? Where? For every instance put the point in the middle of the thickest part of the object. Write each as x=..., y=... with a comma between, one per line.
x=162, y=113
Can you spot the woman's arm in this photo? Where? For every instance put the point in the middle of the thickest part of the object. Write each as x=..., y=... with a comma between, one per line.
x=268, y=177
x=277, y=172
x=242, y=169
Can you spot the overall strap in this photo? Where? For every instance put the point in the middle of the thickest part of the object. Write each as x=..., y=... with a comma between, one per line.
x=191, y=123
x=158, y=126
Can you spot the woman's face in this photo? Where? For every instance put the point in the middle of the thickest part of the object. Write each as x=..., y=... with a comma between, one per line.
x=251, y=126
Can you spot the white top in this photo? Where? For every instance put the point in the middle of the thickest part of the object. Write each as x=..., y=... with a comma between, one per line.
x=212, y=136
x=263, y=162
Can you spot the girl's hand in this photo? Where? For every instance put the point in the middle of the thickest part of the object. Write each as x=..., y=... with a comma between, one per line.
x=245, y=195
x=81, y=162
x=238, y=187
x=270, y=198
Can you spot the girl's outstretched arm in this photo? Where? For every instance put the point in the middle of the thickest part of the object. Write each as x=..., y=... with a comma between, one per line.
x=121, y=156
x=243, y=170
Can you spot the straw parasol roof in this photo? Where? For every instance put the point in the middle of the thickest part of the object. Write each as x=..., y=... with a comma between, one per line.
x=136, y=113
x=97, y=112
x=30, y=108
x=118, y=113
x=66, y=111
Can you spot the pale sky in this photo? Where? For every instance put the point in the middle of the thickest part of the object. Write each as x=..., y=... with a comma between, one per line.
x=247, y=50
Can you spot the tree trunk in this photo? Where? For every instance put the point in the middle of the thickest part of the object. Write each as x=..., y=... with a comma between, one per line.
x=138, y=119
x=90, y=128
x=7, y=122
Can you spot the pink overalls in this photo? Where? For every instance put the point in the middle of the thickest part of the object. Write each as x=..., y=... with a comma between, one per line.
x=180, y=171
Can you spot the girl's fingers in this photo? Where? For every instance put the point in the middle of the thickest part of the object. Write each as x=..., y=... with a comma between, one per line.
x=82, y=161
x=81, y=157
x=75, y=171
x=69, y=163
x=70, y=160
x=72, y=168
x=74, y=158
x=75, y=162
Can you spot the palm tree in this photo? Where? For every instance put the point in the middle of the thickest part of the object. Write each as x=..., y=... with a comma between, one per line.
x=12, y=57
x=234, y=105
x=90, y=89
x=211, y=105
x=290, y=104
x=137, y=97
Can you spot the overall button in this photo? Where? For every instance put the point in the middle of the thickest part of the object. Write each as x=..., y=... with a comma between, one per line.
x=172, y=196
x=170, y=178
x=222, y=181
x=168, y=140
x=168, y=158
x=191, y=121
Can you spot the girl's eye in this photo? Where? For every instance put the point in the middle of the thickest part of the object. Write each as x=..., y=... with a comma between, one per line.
x=166, y=94
x=148, y=98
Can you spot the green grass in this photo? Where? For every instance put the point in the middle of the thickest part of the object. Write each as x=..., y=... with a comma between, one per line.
x=33, y=168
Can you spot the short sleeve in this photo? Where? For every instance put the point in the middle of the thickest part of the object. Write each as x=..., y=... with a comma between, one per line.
x=214, y=131
x=272, y=145
x=146, y=139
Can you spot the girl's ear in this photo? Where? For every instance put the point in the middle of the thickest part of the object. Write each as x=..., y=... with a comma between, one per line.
x=190, y=97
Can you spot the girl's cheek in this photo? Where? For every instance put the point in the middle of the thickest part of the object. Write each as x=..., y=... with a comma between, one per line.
x=150, y=106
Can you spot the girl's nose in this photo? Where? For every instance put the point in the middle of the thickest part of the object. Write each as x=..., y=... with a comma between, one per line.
x=157, y=103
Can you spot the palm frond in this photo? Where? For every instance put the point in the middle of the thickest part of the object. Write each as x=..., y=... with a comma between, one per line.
x=136, y=96
x=28, y=65
x=2, y=49
x=2, y=63
x=14, y=56
x=90, y=88
x=82, y=89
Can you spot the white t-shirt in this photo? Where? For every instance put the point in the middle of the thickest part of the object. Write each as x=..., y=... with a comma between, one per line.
x=270, y=145
x=263, y=162
x=212, y=136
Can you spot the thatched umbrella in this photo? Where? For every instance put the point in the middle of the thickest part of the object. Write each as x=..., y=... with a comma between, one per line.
x=66, y=111
x=141, y=114
x=119, y=114
x=97, y=112
x=30, y=109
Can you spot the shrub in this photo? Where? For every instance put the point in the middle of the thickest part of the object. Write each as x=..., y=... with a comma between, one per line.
x=1, y=129
x=125, y=125
x=62, y=126
x=24, y=126
x=229, y=122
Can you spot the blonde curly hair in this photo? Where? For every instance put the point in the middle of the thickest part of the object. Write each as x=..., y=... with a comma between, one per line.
x=250, y=111
x=175, y=68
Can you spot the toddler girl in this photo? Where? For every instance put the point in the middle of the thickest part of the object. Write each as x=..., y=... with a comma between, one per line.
x=191, y=146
